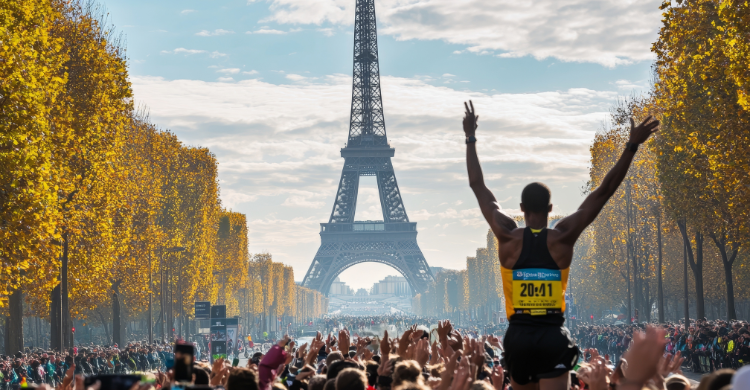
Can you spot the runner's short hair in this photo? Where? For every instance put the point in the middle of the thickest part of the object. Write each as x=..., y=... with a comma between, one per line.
x=535, y=198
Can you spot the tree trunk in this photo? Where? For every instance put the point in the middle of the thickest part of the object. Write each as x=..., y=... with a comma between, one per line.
x=14, y=323
x=696, y=265
x=647, y=300
x=116, y=332
x=66, y=322
x=728, y=260
x=630, y=296
x=55, y=326
x=104, y=325
x=659, y=284
x=685, y=279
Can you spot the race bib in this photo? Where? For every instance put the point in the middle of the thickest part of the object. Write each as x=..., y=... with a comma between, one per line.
x=535, y=290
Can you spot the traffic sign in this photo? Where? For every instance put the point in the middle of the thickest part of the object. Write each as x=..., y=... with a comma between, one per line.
x=202, y=310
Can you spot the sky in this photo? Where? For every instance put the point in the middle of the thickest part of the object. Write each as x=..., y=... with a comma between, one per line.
x=266, y=85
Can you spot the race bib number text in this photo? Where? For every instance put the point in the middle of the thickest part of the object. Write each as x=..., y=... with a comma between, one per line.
x=537, y=289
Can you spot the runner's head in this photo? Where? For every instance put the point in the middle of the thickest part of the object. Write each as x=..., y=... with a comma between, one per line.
x=535, y=199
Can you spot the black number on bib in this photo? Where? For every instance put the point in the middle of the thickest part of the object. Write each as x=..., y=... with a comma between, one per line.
x=523, y=289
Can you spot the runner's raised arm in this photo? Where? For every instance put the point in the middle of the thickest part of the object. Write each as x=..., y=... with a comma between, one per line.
x=500, y=223
x=573, y=225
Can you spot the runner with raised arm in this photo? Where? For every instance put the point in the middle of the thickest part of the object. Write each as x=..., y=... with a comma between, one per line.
x=535, y=260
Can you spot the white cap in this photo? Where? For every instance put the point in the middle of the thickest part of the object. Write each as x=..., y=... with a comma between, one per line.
x=741, y=379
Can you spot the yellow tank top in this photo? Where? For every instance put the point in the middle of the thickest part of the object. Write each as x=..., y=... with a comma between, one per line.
x=535, y=287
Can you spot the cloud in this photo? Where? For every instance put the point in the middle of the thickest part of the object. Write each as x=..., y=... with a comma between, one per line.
x=187, y=11
x=607, y=32
x=250, y=72
x=278, y=148
x=266, y=31
x=217, y=32
x=448, y=75
x=304, y=199
x=295, y=77
x=627, y=85
x=225, y=79
x=329, y=32
x=229, y=70
x=182, y=50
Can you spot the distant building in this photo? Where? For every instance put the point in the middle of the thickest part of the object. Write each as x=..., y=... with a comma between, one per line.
x=361, y=293
x=340, y=288
x=393, y=285
x=436, y=270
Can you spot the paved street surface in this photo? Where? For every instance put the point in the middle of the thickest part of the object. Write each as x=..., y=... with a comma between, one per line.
x=695, y=377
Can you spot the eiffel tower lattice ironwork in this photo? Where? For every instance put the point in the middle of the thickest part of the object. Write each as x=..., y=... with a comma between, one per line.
x=344, y=241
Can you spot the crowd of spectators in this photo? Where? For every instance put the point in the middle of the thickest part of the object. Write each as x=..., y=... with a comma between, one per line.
x=446, y=358
x=706, y=346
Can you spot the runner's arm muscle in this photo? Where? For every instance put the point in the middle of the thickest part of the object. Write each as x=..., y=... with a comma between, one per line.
x=573, y=225
x=500, y=223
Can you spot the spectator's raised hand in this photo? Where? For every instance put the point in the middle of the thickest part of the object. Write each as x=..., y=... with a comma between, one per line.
x=498, y=378
x=284, y=341
x=595, y=375
x=403, y=344
x=385, y=345
x=301, y=351
x=434, y=354
x=643, y=357
x=422, y=352
x=667, y=365
x=477, y=353
x=495, y=342
x=385, y=369
x=68, y=379
x=344, y=341
x=463, y=378
x=416, y=334
x=446, y=377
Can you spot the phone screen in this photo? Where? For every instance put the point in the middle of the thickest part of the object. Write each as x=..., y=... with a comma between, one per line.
x=184, y=357
x=112, y=381
x=235, y=362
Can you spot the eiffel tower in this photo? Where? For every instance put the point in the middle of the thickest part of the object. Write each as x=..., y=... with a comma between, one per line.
x=344, y=241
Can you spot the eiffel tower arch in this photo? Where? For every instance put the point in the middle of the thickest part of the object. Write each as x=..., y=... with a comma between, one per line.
x=344, y=241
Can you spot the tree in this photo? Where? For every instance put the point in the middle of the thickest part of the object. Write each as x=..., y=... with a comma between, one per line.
x=706, y=139
x=29, y=86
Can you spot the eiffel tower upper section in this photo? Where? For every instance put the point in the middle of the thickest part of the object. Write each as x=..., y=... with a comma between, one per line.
x=367, y=124
x=367, y=152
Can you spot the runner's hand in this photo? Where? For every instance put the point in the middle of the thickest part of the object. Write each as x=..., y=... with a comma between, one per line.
x=470, y=120
x=640, y=134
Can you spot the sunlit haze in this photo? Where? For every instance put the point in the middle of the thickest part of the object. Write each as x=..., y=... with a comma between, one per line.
x=266, y=85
